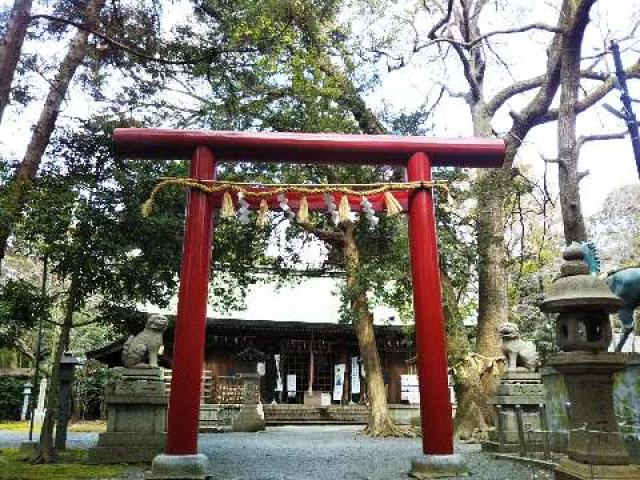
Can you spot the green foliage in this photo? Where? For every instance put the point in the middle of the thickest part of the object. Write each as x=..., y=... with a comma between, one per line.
x=71, y=465
x=89, y=389
x=84, y=215
x=21, y=306
x=11, y=398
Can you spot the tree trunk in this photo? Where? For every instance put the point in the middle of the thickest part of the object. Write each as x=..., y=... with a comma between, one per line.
x=568, y=176
x=493, y=305
x=11, y=46
x=380, y=422
x=45, y=452
x=475, y=381
x=28, y=168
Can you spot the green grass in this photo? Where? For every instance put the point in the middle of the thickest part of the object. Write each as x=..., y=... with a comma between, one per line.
x=14, y=465
x=95, y=426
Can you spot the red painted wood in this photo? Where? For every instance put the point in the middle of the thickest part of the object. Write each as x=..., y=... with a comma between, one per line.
x=316, y=201
x=306, y=148
x=188, y=350
x=435, y=404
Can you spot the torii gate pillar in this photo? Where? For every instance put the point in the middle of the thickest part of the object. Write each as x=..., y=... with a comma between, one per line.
x=418, y=155
x=435, y=403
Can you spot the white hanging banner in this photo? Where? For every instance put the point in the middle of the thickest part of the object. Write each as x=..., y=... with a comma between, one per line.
x=278, y=375
x=355, y=376
x=338, y=381
x=291, y=385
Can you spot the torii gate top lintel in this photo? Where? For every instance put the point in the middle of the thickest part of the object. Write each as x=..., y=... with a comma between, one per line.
x=285, y=147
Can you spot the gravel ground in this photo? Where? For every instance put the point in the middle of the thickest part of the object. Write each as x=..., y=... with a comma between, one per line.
x=318, y=453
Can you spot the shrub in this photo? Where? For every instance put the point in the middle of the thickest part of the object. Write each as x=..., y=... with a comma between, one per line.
x=11, y=398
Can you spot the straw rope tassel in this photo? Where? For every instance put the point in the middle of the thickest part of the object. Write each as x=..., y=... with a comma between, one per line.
x=343, y=209
x=147, y=207
x=303, y=211
x=227, y=210
x=263, y=214
x=393, y=206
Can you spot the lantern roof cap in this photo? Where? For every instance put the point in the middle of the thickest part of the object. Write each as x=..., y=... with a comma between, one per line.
x=576, y=289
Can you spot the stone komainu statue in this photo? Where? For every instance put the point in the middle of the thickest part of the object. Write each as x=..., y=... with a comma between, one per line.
x=142, y=349
x=517, y=352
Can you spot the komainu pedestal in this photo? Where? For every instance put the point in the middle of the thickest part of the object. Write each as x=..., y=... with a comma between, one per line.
x=136, y=418
x=519, y=414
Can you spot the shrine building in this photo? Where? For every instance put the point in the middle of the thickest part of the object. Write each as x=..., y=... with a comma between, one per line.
x=298, y=362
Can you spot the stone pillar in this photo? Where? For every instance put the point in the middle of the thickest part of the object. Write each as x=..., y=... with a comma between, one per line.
x=68, y=365
x=251, y=415
x=26, y=392
x=38, y=415
x=595, y=449
x=136, y=418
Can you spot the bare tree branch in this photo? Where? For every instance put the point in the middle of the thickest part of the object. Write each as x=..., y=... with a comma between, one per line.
x=330, y=236
x=473, y=42
x=443, y=21
x=598, y=137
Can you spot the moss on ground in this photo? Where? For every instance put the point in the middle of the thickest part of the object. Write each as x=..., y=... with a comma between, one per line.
x=93, y=426
x=14, y=465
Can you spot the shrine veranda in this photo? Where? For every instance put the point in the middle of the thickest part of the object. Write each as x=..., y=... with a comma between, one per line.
x=417, y=154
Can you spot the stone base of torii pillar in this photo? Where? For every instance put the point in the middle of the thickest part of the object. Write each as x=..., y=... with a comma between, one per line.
x=179, y=467
x=438, y=466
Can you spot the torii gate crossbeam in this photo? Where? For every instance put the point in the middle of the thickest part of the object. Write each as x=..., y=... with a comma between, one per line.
x=204, y=149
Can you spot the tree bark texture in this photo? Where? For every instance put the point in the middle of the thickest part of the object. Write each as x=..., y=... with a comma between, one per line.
x=380, y=422
x=11, y=47
x=28, y=168
x=45, y=452
x=568, y=175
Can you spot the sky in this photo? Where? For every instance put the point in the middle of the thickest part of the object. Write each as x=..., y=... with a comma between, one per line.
x=610, y=163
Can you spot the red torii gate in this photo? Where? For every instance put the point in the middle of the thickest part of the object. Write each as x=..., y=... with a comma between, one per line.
x=417, y=154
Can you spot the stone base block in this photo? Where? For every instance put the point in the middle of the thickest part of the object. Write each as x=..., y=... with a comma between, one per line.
x=510, y=447
x=249, y=419
x=438, y=466
x=137, y=454
x=179, y=467
x=131, y=439
x=571, y=470
x=126, y=447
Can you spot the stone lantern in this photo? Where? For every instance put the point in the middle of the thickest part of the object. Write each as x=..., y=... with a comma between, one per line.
x=68, y=364
x=583, y=303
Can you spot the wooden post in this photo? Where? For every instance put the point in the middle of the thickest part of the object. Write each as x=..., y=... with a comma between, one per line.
x=188, y=350
x=435, y=403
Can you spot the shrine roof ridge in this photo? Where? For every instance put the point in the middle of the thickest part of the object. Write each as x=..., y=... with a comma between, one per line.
x=308, y=148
